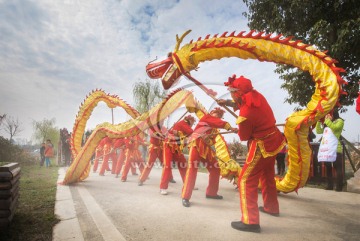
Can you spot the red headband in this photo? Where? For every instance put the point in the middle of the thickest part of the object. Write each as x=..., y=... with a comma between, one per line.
x=242, y=84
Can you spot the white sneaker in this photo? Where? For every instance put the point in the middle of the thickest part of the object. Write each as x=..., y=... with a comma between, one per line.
x=163, y=192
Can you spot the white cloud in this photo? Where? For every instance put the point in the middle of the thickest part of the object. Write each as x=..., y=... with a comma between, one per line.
x=53, y=53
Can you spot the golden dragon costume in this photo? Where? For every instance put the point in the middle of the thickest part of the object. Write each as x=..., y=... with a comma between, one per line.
x=269, y=48
x=80, y=167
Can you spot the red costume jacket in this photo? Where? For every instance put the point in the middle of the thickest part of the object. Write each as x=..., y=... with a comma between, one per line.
x=157, y=137
x=119, y=143
x=132, y=147
x=257, y=122
x=204, y=136
x=176, y=142
x=101, y=144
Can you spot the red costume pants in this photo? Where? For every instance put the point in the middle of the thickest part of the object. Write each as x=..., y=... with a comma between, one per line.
x=96, y=161
x=153, y=155
x=166, y=171
x=105, y=164
x=113, y=157
x=120, y=162
x=132, y=159
x=257, y=168
x=191, y=173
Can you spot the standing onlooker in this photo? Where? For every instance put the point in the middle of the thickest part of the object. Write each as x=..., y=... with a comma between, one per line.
x=333, y=157
x=257, y=126
x=42, y=154
x=66, y=148
x=311, y=135
x=49, y=152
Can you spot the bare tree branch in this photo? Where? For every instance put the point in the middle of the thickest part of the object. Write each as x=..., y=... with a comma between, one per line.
x=12, y=126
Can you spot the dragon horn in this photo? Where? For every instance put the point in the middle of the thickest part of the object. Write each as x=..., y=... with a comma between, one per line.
x=179, y=40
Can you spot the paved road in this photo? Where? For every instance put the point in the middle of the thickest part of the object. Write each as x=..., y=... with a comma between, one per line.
x=103, y=208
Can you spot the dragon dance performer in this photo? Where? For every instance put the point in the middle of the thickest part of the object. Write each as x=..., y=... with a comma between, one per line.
x=107, y=153
x=132, y=155
x=157, y=136
x=114, y=154
x=256, y=125
x=201, y=141
x=173, y=147
x=99, y=151
x=119, y=144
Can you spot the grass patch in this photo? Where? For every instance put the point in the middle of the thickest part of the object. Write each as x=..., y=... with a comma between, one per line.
x=34, y=217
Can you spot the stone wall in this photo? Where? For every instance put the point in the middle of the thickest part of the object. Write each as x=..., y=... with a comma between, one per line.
x=9, y=192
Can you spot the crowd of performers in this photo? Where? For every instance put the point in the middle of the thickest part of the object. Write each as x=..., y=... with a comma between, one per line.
x=256, y=124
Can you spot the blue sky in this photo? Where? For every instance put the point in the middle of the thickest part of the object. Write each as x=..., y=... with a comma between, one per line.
x=53, y=53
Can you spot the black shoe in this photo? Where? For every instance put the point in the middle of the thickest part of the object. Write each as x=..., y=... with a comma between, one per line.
x=214, y=197
x=186, y=203
x=261, y=209
x=246, y=227
x=135, y=174
x=140, y=183
x=172, y=181
x=329, y=188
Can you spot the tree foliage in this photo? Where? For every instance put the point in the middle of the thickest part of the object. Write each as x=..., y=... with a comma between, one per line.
x=46, y=129
x=147, y=94
x=236, y=149
x=9, y=152
x=331, y=25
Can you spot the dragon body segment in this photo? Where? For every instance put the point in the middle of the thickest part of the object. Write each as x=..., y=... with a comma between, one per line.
x=269, y=48
x=86, y=109
x=80, y=167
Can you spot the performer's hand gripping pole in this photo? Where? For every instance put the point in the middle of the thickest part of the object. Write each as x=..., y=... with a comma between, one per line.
x=209, y=92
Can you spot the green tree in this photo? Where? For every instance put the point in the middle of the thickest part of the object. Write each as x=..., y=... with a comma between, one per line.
x=236, y=149
x=46, y=129
x=147, y=94
x=331, y=25
x=10, y=152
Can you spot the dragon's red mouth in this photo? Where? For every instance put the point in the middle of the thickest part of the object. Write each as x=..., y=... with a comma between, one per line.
x=166, y=70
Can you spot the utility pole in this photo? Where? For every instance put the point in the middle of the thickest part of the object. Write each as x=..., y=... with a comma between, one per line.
x=112, y=116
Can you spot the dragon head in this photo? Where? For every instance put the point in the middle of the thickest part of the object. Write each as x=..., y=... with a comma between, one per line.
x=167, y=69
